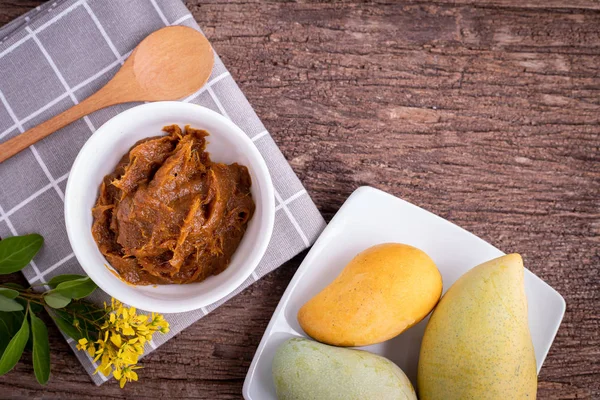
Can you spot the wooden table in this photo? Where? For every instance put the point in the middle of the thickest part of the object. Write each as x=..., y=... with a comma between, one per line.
x=486, y=112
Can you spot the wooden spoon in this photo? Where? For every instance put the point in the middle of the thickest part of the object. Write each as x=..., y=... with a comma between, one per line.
x=168, y=64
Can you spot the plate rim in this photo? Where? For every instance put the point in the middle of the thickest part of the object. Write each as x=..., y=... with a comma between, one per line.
x=362, y=191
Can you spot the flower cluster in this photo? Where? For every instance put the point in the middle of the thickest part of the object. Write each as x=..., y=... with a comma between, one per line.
x=121, y=340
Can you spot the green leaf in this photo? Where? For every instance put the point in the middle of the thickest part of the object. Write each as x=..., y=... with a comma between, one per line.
x=65, y=324
x=41, y=350
x=8, y=293
x=5, y=333
x=10, y=322
x=9, y=305
x=76, y=289
x=29, y=344
x=15, y=347
x=13, y=320
x=64, y=278
x=17, y=251
x=26, y=304
x=56, y=300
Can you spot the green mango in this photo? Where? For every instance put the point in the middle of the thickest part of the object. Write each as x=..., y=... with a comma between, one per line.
x=303, y=370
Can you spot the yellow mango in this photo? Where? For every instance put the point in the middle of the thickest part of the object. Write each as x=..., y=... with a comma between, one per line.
x=382, y=291
x=477, y=343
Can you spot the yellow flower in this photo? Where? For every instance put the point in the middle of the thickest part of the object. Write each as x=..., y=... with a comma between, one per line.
x=121, y=340
x=127, y=374
x=116, y=339
x=105, y=366
x=127, y=330
x=82, y=344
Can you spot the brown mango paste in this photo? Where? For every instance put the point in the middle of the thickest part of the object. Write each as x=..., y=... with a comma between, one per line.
x=168, y=214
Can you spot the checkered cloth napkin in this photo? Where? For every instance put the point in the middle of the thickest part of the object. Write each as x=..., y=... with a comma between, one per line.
x=60, y=53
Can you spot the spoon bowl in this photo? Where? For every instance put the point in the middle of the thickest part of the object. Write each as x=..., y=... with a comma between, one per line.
x=169, y=64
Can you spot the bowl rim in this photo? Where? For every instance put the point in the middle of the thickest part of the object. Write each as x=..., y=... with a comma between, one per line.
x=139, y=299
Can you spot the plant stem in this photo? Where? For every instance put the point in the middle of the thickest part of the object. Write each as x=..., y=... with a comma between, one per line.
x=94, y=323
x=38, y=298
x=31, y=295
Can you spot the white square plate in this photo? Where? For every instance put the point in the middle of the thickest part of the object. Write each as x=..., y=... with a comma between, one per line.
x=370, y=217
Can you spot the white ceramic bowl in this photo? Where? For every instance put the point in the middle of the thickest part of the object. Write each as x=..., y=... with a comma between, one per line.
x=227, y=143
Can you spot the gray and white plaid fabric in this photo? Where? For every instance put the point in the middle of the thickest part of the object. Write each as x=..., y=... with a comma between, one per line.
x=60, y=53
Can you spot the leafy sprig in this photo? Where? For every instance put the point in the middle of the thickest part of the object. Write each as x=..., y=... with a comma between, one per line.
x=89, y=325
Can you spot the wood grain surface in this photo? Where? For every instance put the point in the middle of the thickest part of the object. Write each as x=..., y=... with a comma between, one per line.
x=486, y=113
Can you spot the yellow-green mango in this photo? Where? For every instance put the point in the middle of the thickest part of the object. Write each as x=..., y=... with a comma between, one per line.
x=477, y=343
x=382, y=291
x=307, y=370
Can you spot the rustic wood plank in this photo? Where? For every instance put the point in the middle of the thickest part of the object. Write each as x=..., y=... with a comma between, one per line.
x=528, y=4
x=484, y=112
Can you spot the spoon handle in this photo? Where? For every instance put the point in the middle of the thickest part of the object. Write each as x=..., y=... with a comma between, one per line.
x=14, y=145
